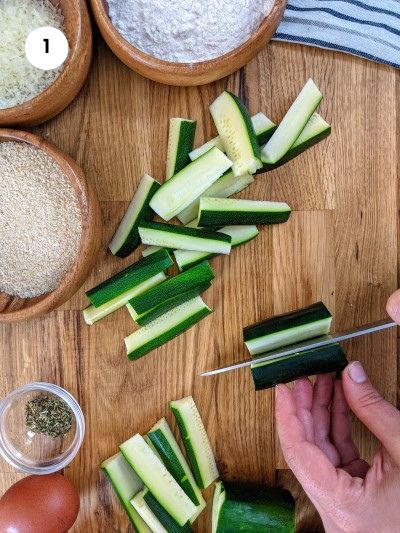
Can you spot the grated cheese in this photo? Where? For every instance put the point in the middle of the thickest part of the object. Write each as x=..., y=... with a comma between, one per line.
x=19, y=80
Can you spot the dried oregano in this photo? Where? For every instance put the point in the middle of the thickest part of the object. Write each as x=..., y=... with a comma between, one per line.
x=48, y=414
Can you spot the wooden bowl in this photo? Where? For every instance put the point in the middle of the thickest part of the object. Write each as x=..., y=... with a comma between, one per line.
x=16, y=309
x=172, y=73
x=63, y=90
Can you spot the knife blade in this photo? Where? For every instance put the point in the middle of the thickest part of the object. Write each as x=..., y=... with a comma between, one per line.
x=317, y=342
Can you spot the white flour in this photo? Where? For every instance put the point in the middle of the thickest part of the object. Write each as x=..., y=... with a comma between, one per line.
x=187, y=31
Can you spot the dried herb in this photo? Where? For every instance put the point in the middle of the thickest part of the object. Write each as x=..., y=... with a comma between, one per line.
x=48, y=414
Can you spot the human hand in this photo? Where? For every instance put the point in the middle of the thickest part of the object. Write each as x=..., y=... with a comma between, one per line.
x=314, y=428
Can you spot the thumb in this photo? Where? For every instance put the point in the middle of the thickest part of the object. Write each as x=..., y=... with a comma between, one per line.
x=393, y=306
x=380, y=417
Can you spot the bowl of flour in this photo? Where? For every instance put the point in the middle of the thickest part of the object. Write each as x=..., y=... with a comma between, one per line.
x=182, y=42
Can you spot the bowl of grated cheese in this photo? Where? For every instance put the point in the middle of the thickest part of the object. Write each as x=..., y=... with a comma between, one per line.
x=183, y=43
x=28, y=95
x=50, y=226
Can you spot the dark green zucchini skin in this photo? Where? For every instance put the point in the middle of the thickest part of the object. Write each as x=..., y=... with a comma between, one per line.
x=242, y=218
x=171, y=303
x=168, y=335
x=174, y=467
x=249, y=125
x=264, y=137
x=146, y=214
x=188, y=232
x=294, y=152
x=322, y=360
x=130, y=277
x=186, y=140
x=300, y=317
x=192, y=278
x=165, y=518
x=252, y=509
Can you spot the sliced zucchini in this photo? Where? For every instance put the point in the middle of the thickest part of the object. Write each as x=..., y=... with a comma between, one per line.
x=263, y=128
x=196, y=441
x=92, y=314
x=292, y=124
x=322, y=360
x=184, y=238
x=126, y=485
x=165, y=518
x=164, y=441
x=166, y=327
x=204, y=148
x=126, y=238
x=316, y=130
x=164, y=306
x=148, y=250
x=157, y=479
x=180, y=143
x=239, y=234
x=188, y=184
x=139, y=504
x=199, y=275
x=251, y=508
x=237, y=134
x=228, y=211
x=226, y=186
x=217, y=502
x=288, y=328
x=129, y=278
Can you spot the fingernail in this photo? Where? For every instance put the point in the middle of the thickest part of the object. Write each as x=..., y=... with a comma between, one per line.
x=357, y=372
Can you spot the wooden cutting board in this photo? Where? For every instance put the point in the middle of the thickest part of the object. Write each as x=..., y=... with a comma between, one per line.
x=339, y=246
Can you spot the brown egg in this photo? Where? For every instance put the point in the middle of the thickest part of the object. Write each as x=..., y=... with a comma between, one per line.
x=39, y=504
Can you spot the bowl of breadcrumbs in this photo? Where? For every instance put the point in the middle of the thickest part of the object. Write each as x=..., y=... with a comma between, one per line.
x=49, y=226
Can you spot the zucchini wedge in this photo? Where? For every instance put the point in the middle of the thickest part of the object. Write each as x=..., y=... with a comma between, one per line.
x=164, y=442
x=197, y=276
x=288, y=328
x=164, y=306
x=146, y=514
x=251, y=508
x=155, y=516
x=170, y=525
x=239, y=234
x=196, y=441
x=263, y=128
x=315, y=131
x=292, y=123
x=237, y=133
x=180, y=143
x=166, y=327
x=148, y=250
x=131, y=277
x=225, y=186
x=184, y=238
x=92, y=314
x=322, y=360
x=126, y=485
x=157, y=479
x=228, y=211
x=188, y=184
x=126, y=238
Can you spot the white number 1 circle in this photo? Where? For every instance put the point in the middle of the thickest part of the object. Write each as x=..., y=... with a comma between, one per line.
x=46, y=48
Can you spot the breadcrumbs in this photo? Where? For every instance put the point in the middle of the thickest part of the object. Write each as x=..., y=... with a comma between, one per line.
x=40, y=221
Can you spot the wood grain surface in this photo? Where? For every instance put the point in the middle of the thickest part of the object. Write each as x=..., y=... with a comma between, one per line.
x=341, y=245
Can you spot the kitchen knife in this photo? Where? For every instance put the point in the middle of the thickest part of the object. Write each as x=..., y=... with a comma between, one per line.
x=317, y=342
